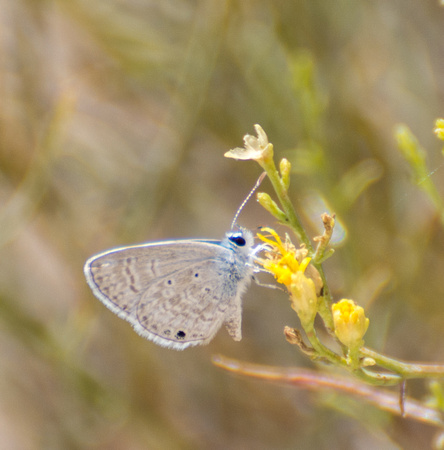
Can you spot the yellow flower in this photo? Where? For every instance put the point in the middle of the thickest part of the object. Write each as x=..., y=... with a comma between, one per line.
x=282, y=259
x=255, y=148
x=288, y=265
x=439, y=130
x=350, y=323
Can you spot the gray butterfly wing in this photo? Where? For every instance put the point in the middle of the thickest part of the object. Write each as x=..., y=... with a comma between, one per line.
x=187, y=307
x=176, y=294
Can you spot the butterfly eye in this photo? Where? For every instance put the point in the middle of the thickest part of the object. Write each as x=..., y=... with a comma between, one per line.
x=237, y=239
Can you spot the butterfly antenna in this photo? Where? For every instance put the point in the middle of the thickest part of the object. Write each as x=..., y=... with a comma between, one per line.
x=258, y=183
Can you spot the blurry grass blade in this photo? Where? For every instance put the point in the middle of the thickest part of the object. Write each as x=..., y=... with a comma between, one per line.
x=415, y=155
x=28, y=194
x=312, y=101
x=411, y=150
x=356, y=181
x=30, y=331
x=36, y=336
x=307, y=158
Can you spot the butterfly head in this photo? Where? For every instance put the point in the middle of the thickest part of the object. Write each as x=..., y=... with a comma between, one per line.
x=240, y=240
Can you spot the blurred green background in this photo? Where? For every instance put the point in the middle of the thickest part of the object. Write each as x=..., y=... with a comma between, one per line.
x=114, y=117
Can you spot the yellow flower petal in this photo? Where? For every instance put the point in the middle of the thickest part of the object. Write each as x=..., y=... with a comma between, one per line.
x=288, y=265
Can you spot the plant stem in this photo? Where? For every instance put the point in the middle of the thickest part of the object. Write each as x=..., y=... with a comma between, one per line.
x=293, y=219
x=404, y=369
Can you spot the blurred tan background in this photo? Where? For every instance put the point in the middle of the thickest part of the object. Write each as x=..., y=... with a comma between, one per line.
x=114, y=117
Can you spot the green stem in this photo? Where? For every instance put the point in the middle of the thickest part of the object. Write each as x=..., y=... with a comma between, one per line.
x=374, y=378
x=321, y=350
x=404, y=369
x=293, y=219
x=378, y=378
x=324, y=310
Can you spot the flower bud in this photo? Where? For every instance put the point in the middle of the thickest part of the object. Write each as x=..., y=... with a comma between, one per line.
x=271, y=206
x=350, y=323
x=285, y=169
x=303, y=297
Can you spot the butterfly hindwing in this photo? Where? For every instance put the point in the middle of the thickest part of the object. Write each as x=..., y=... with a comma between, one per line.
x=186, y=308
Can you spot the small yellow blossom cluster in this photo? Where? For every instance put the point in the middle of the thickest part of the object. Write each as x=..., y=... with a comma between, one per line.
x=350, y=323
x=439, y=129
x=289, y=267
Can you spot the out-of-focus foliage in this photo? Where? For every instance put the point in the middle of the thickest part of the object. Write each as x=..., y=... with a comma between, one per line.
x=114, y=117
